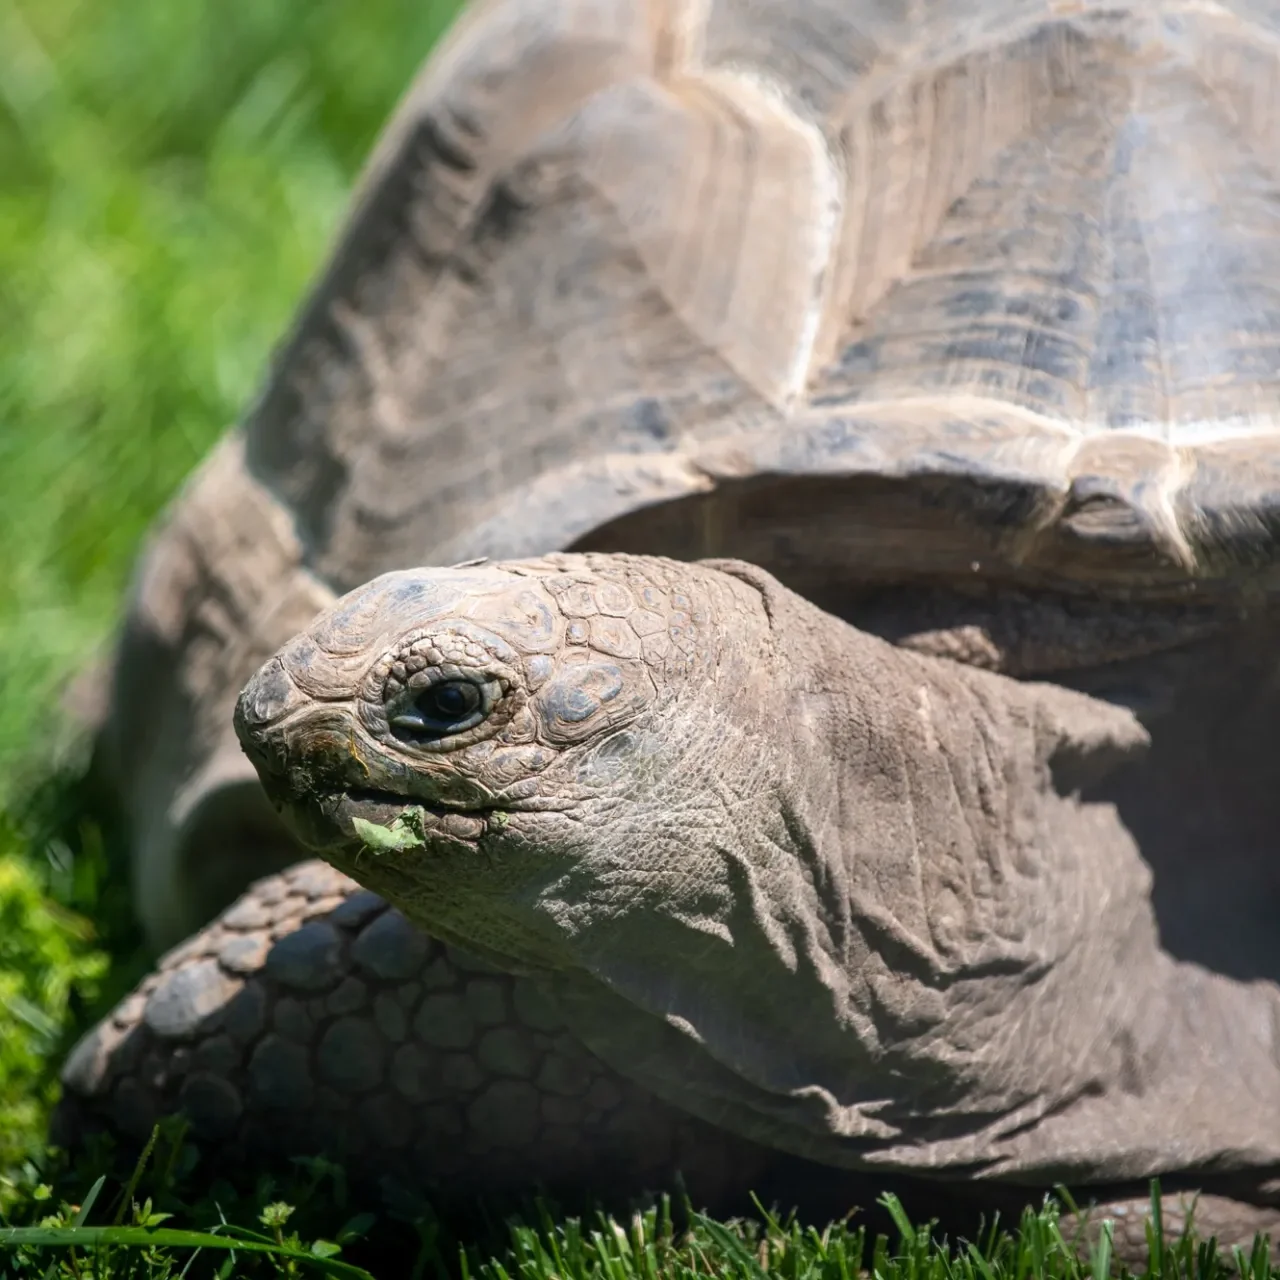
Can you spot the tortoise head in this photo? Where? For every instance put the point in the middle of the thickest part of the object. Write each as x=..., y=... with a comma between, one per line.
x=500, y=750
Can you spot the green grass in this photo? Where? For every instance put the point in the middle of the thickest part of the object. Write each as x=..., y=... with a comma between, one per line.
x=654, y=1243
x=110, y=1236
x=173, y=172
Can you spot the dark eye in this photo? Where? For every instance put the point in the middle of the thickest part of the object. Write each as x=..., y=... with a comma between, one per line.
x=442, y=709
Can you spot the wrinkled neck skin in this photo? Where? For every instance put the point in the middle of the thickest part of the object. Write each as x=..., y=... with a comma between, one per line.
x=859, y=922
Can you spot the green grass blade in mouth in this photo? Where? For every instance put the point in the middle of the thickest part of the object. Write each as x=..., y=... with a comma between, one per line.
x=406, y=832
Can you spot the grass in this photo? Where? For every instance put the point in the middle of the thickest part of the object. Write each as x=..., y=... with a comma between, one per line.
x=111, y=1237
x=173, y=173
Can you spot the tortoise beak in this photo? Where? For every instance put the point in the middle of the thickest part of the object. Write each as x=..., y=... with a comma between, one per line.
x=312, y=817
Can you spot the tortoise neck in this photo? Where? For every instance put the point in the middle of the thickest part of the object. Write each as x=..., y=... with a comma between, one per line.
x=1000, y=944
x=894, y=933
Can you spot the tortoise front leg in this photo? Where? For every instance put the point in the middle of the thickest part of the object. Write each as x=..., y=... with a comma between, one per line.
x=312, y=1018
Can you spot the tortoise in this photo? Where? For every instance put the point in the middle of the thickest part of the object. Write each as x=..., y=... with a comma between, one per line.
x=843, y=744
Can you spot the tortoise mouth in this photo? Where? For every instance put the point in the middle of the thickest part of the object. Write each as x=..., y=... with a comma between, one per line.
x=333, y=822
x=353, y=811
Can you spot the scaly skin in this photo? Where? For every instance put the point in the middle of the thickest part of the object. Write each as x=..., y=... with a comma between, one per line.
x=839, y=899
x=311, y=1017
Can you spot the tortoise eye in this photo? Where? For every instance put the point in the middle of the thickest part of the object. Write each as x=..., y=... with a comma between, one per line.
x=440, y=710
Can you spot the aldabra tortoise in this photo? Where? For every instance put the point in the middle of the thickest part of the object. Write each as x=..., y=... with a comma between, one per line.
x=927, y=826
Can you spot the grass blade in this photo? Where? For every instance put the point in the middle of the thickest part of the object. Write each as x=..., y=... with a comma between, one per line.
x=141, y=1237
x=83, y=1212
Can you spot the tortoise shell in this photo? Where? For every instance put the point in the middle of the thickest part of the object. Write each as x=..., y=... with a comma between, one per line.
x=870, y=289
x=870, y=294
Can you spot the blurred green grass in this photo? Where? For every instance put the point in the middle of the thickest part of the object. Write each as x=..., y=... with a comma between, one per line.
x=173, y=174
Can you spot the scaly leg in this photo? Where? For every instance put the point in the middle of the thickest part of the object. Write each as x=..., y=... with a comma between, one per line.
x=312, y=1017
